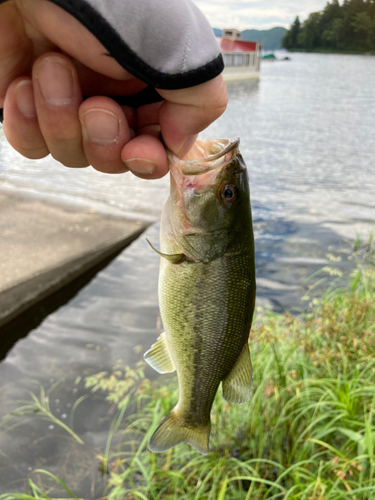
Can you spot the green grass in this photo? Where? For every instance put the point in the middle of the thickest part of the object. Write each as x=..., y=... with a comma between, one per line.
x=308, y=432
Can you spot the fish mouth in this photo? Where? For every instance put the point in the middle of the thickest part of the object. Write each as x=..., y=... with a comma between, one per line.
x=199, y=168
x=205, y=155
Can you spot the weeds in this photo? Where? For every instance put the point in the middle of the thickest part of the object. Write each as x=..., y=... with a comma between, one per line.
x=40, y=406
x=307, y=434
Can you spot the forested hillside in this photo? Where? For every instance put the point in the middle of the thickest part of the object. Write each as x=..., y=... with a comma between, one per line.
x=348, y=26
x=270, y=38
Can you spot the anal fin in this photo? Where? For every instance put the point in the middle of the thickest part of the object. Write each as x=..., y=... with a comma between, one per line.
x=159, y=356
x=238, y=384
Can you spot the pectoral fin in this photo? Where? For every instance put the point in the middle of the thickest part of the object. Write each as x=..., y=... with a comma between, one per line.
x=176, y=258
x=238, y=384
x=159, y=357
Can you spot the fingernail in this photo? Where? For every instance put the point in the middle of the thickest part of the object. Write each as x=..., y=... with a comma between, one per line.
x=140, y=165
x=25, y=98
x=55, y=81
x=101, y=126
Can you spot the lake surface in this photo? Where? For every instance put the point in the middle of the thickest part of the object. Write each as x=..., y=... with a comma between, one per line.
x=306, y=132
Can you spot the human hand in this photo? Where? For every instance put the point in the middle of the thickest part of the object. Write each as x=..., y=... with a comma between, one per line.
x=49, y=60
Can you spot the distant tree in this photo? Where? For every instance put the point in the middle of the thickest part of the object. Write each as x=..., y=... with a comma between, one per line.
x=370, y=8
x=364, y=26
x=338, y=30
x=329, y=39
x=346, y=26
x=356, y=6
x=330, y=12
x=290, y=39
x=310, y=35
x=294, y=31
x=285, y=41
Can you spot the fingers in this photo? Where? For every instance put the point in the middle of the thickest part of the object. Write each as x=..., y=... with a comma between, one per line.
x=148, y=119
x=41, y=115
x=57, y=97
x=105, y=132
x=145, y=156
x=186, y=112
x=110, y=144
x=21, y=127
x=46, y=115
x=15, y=48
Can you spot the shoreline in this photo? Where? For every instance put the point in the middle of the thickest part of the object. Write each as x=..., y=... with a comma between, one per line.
x=45, y=246
x=72, y=203
x=324, y=51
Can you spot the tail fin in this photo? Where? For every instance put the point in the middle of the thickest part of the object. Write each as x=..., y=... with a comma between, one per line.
x=173, y=431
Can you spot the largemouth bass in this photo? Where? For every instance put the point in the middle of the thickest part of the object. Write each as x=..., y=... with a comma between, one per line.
x=206, y=289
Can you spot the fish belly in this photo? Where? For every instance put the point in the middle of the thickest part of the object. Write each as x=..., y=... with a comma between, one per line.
x=206, y=310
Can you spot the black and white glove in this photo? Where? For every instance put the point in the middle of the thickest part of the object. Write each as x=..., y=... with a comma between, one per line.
x=166, y=43
x=108, y=83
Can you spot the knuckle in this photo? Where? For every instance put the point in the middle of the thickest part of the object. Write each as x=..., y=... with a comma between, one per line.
x=218, y=101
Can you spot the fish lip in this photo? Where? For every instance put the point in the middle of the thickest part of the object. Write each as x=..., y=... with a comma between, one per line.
x=198, y=166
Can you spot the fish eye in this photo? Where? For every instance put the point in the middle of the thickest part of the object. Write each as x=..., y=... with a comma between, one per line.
x=228, y=193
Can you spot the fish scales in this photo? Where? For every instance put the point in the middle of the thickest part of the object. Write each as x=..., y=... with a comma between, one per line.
x=209, y=308
x=206, y=295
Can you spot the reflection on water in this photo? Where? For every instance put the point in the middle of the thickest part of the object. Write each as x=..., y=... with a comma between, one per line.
x=306, y=136
x=112, y=315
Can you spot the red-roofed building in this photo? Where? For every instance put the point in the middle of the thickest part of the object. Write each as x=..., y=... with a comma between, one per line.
x=241, y=58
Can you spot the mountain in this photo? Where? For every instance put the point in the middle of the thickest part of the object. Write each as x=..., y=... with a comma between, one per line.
x=270, y=38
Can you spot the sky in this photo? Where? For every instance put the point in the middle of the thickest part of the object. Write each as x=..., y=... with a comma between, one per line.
x=257, y=14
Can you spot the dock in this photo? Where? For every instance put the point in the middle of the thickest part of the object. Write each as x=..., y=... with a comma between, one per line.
x=44, y=247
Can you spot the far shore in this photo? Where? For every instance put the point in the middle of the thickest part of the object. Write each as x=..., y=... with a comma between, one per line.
x=327, y=51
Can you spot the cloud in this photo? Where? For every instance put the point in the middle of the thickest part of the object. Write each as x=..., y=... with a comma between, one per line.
x=259, y=14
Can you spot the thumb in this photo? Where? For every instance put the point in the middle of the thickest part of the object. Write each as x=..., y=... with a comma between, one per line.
x=186, y=112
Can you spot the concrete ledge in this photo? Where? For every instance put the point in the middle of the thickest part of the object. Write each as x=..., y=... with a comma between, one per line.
x=39, y=248
x=233, y=77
